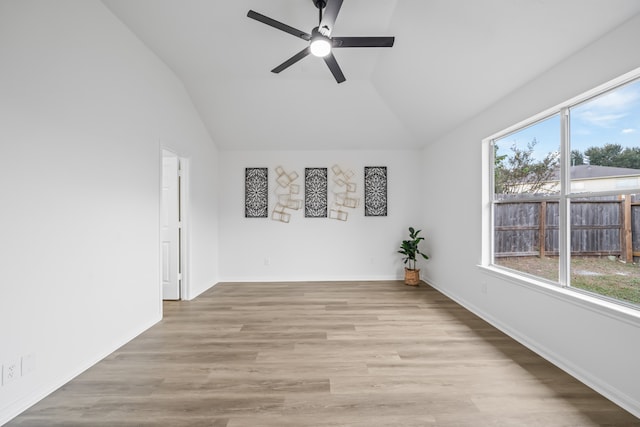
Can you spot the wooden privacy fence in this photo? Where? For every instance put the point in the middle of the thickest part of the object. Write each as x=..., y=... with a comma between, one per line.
x=603, y=226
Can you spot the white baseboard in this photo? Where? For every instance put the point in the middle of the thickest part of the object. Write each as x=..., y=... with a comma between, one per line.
x=290, y=279
x=19, y=406
x=619, y=398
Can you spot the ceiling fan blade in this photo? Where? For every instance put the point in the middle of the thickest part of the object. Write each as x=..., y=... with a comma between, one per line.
x=329, y=16
x=295, y=58
x=363, y=41
x=279, y=25
x=334, y=67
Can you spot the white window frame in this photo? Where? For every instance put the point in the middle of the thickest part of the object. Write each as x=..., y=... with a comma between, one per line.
x=562, y=287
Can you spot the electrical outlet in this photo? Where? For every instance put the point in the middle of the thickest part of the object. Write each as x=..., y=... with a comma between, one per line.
x=483, y=287
x=28, y=364
x=267, y=261
x=10, y=371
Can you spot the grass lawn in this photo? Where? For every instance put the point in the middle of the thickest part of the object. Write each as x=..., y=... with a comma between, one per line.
x=603, y=276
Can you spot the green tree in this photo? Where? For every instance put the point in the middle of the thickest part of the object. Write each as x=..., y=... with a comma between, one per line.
x=520, y=172
x=630, y=158
x=614, y=155
x=577, y=158
x=607, y=155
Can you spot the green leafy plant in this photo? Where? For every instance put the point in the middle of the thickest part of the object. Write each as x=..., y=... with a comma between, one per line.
x=410, y=250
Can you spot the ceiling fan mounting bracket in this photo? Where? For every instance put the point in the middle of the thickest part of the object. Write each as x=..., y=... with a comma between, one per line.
x=320, y=4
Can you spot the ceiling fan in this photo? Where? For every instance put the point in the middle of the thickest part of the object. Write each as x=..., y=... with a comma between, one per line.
x=320, y=41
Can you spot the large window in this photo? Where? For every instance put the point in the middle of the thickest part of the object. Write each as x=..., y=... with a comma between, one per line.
x=565, y=200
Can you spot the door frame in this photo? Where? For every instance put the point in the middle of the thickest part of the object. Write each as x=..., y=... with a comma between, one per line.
x=185, y=265
x=183, y=206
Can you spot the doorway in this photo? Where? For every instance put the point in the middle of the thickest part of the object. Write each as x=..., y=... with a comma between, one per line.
x=172, y=235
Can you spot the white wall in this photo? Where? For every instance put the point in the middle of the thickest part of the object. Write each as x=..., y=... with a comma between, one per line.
x=600, y=349
x=312, y=249
x=84, y=109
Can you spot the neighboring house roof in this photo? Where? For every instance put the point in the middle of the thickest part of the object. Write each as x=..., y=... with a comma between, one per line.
x=594, y=171
x=583, y=172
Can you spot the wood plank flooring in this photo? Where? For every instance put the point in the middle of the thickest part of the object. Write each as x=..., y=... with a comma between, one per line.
x=323, y=354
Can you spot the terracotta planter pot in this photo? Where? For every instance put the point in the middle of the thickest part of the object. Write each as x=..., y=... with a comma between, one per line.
x=411, y=277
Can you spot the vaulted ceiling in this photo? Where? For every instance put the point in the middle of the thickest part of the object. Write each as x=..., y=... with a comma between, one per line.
x=451, y=60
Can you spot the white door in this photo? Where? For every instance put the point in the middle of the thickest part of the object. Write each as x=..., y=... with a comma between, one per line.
x=170, y=227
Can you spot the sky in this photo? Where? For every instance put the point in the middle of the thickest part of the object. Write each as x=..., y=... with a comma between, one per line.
x=610, y=118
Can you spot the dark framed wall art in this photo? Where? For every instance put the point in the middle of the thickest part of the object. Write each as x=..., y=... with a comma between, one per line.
x=375, y=191
x=256, y=193
x=315, y=192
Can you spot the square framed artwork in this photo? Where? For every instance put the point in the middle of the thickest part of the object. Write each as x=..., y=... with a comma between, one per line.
x=315, y=192
x=256, y=193
x=375, y=191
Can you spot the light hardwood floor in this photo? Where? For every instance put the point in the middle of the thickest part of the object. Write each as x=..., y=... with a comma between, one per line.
x=323, y=354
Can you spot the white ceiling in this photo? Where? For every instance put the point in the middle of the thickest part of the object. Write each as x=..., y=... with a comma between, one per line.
x=451, y=60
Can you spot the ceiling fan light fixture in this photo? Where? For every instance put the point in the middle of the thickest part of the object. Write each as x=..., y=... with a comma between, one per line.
x=320, y=45
x=321, y=41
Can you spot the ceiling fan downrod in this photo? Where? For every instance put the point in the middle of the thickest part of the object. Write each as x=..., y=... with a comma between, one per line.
x=320, y=4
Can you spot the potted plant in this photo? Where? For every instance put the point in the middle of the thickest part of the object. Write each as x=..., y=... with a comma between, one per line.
x=409, y=248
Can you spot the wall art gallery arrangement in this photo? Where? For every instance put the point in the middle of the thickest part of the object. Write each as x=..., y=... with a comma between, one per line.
x=331, y=196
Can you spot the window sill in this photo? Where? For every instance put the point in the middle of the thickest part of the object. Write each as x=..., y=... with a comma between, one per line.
x=600, y=306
